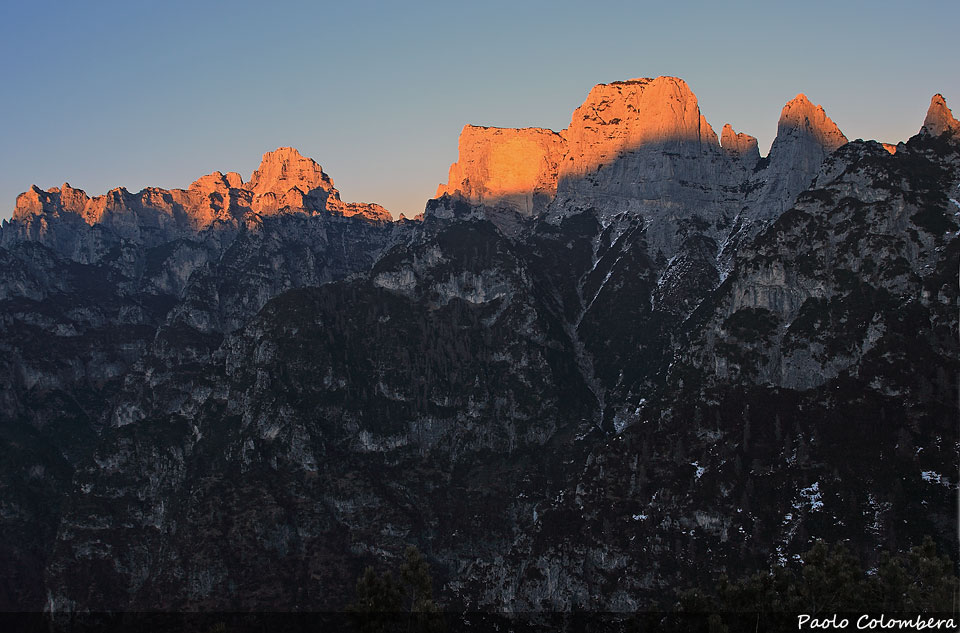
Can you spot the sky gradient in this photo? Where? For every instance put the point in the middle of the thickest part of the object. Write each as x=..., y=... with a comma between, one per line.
x=138, y=94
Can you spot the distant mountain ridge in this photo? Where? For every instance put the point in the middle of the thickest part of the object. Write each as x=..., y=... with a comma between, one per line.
x=285, y=181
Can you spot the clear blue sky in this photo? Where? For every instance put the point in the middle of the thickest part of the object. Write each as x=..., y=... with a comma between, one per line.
x=102, y=94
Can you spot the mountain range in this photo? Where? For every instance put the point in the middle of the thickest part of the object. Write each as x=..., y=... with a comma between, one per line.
x=606, y=364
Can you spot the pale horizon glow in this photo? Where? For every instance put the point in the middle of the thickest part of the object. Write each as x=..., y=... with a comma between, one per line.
x=159, y=94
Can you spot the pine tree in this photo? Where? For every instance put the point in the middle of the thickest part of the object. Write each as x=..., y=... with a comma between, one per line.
x=380, y=599
x=377, y=594
x=416, y=581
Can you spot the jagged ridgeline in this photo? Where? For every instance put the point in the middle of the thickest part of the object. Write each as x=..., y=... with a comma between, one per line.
x=607, y=364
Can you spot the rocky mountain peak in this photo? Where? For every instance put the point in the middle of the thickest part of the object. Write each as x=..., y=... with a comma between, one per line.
x=36, y=201
x=523, y=169
x=627, y=115
x=739, y=144
x=805, y=137
x=218, y=182
x=939, y=119
x=801, y=117
x=284, y=169
x=30, y=202
x=712, y=357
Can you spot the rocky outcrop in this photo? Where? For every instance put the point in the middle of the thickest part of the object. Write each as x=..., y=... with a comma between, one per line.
x=802, y=123
x=618, y=145
x=207, y=200
x=626, y=116
x=284, y=169
x=805, y=137
x=642, y=148
x=499, y=167
x=939, y=119
x=807, y=300
x=288, y=181
x=740, y=145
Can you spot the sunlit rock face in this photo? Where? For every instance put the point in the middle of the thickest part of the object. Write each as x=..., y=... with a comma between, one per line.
x=805, y=137
x=642, y=148
x=939, y=119
x=509, y=168
x=739, y=145
x=212, y=198
x=284, y=169
x=802, y=119
x=285, y=181
x=526, y=168
x=625, y=116
x=133, y=233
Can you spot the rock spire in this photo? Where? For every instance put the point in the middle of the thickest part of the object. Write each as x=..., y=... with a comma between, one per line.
x=939, y=119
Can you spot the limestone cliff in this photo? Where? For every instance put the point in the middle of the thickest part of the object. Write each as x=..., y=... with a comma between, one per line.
x=524, y=169
x=626, y=116
x=805, y=137
x=502, y=167
x=643, y=148
x=939, y=119
x=740, y=145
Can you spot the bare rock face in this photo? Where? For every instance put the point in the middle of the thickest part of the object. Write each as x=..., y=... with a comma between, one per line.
x=640, y=147
x=36, y=201
x=217, y=197
x=524, y=169
x=208, y=199
x=284, y=182
x=800, y=118
x=502, y=167
x=289, y=181
x=368, y=210
x=626, y=116
x=740, y=145
x=284, y=178
x=285, y=168
x=939, y=119
x=805, y=137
